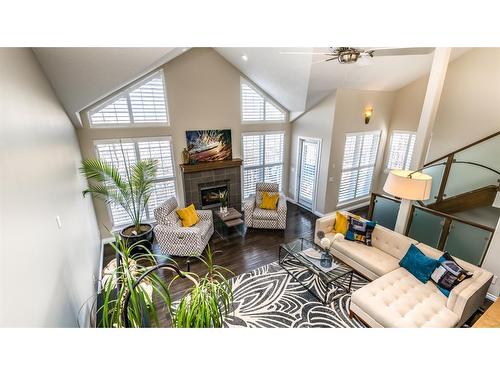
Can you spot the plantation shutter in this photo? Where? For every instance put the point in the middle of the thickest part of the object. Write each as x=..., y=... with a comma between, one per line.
x=256, y=107
x=262, y=160
x=360, y=156
x=133, y=150
x=401, y=150
x=142, y=103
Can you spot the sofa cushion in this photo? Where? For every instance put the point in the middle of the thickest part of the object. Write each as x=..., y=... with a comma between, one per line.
x=203, y=226
x=391, y=242
x=263, y=214
x=360, y=230
x=398, y=299
x=369, y=257
x=449, y=274
x=418, y=264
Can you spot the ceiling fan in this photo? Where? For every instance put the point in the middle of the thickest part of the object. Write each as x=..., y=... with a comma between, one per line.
x=349, y=55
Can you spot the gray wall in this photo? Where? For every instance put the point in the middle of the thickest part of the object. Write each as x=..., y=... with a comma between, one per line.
x=46, y=271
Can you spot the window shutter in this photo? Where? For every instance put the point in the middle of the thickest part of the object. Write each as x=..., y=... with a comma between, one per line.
x=262, y=160
x=256, y=107
x=142, y=103
x=360, y=156
x=134, y=150
x=148, y=101
x=114, y=113
x=401, y=151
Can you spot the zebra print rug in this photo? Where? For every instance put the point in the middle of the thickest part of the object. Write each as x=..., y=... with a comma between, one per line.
x=269, y=297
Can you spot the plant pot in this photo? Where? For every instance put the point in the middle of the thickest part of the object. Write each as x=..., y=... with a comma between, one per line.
x=147, y=236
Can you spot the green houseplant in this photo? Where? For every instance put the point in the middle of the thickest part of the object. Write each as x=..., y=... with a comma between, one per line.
x=208, y=301
x=131, y=192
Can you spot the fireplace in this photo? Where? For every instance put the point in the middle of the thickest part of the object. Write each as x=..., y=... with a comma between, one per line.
x=210, y=197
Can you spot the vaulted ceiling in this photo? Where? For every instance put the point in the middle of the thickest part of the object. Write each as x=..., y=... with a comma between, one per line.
x=81, y=76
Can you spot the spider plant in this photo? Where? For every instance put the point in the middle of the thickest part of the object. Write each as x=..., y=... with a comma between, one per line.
x=208, y=301
x=132, y=193
x=119, y=282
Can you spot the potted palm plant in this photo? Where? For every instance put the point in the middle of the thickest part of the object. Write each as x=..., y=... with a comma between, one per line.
x=131, y=192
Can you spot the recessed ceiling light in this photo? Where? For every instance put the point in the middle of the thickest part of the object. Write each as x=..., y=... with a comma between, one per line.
x=244, y=57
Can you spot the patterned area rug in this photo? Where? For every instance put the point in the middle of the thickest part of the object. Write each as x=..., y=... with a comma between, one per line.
x=269, y=297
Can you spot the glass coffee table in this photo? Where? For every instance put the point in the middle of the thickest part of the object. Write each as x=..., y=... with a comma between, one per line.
x=311, y=276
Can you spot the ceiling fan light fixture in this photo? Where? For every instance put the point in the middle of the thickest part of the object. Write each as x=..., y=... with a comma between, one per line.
x=348, y=55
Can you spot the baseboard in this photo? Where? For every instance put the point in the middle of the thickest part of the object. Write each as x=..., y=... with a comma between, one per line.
x=491, y=297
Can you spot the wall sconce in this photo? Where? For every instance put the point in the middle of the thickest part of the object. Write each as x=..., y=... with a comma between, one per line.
x=368, y=114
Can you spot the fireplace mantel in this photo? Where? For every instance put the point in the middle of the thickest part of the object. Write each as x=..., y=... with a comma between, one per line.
x=210, y=165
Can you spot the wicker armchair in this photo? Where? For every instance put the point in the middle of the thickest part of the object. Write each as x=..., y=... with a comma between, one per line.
x=256, y=217
x=174, y=239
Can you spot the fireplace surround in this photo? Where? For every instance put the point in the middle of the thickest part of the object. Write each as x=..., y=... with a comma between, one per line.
x=212, y=175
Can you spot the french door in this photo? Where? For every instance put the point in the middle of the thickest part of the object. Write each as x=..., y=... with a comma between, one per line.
x=309, y=150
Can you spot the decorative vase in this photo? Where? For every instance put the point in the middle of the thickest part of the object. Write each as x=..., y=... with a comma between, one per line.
x=326, y=259
x=185, y=156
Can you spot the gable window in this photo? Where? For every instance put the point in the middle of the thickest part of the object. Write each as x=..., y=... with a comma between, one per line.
x=142, y=104
x=360, y=156
x=401, y=150
x=257, y=107
x=262, y=159
x=139, y=149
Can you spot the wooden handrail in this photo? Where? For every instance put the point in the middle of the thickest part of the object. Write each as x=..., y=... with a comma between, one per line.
x=462, y=148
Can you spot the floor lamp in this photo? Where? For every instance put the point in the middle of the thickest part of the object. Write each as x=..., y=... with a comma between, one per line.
x=408, y=186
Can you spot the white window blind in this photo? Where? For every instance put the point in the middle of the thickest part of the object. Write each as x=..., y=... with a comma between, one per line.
x=140, y=149
x=141, y=103
x=256, y=107
x=262, y=160
x=360, y=156
x=401, y=150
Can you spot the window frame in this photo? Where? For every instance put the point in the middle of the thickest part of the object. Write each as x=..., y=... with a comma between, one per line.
x=267, y=98
x=411, y=133
x=364, y=197
x=124, y=93
x=263, y=165
x=136, y=141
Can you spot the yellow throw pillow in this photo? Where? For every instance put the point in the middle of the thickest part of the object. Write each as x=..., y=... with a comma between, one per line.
x=341, y=223
x=269, y=201
x=188, y=216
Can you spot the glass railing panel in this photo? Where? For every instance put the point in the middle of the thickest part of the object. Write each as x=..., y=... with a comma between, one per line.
x=385, y=212
x=426, y=227
x=467, y=242
x=466, y=177
x=436, y=172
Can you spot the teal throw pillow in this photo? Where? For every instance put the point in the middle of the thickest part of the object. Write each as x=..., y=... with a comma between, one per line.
x=418, y=264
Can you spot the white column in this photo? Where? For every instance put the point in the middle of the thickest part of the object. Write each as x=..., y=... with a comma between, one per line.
x=426, y=123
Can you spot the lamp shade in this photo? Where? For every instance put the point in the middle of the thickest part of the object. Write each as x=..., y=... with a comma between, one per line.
x=415, y=187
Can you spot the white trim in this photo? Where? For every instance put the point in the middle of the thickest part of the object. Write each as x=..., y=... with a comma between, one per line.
x=352, y=205
x=491, y=297
x=266, y=97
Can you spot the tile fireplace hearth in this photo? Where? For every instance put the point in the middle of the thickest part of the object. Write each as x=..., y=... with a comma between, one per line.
x=209, y=178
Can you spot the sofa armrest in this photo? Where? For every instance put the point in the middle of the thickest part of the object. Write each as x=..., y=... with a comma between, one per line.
x=205, y=214
x=325, y=224
x=281, y=203
x=469, y=295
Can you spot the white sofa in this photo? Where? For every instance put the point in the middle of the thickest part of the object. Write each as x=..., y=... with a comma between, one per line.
x=394, y=297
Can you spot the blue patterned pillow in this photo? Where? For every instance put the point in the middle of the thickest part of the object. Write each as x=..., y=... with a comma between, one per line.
x=418, y=264
x=360, y=230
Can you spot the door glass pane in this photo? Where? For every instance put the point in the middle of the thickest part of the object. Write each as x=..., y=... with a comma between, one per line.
x=385, y=212
x=467, y=242
x=426, y=227
x=308, y=169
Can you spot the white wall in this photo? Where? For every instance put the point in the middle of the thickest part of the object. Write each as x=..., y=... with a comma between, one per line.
x=316, y=123
x=203, y=92
x=46, y=272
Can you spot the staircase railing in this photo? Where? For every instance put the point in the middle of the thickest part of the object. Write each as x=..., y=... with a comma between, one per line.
x=462, y=238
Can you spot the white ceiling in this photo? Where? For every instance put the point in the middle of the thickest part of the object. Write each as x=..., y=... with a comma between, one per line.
x=298, y=82
x=81, y=76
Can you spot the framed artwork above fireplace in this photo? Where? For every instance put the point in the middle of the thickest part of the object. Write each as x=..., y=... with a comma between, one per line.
x=209, y=145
